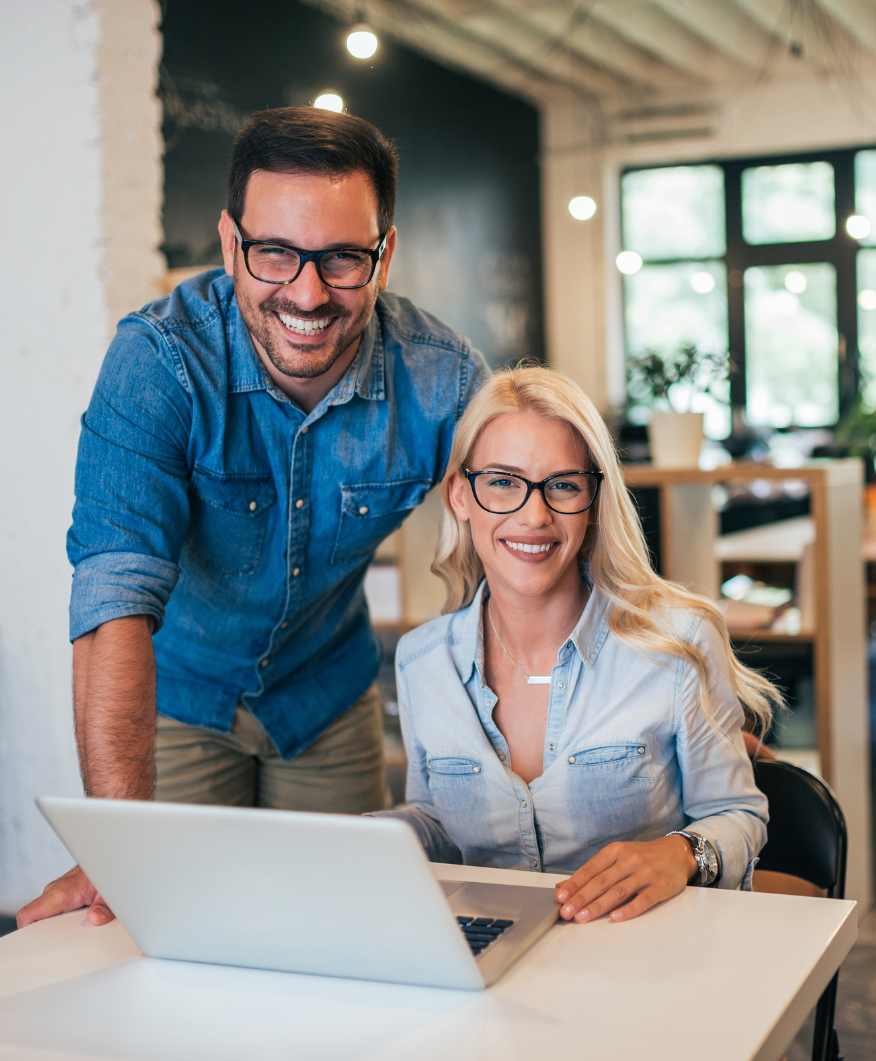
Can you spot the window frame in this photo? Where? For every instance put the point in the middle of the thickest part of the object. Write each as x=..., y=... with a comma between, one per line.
x=840, y=251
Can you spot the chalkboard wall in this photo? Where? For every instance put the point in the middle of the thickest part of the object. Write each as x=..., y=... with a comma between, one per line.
x=468, y=207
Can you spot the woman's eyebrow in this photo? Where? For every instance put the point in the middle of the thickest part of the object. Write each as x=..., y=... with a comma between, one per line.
x=519, y=471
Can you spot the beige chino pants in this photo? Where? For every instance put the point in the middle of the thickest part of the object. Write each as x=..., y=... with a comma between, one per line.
x=342, y=772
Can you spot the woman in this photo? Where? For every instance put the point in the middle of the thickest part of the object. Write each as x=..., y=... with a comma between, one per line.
x=571, y=711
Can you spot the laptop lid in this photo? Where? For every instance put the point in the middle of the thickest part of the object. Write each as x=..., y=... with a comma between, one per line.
x=313, y=893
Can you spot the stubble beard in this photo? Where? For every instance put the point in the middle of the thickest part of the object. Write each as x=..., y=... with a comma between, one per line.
x=301, y=364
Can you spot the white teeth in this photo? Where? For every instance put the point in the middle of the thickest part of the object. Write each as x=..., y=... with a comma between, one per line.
x=305, y=327
x=522, y=548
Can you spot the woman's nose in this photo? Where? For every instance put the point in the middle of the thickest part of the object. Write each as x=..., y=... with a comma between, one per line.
x=535, y=512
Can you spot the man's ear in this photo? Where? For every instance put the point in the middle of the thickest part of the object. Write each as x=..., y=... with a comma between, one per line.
x=229, y=241
x=459, y=495
x=386, y=259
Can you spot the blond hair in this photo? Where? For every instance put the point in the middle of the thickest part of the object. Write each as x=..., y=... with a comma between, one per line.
x=614, y=545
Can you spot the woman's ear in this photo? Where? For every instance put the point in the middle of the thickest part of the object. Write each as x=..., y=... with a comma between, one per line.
x=459, y=494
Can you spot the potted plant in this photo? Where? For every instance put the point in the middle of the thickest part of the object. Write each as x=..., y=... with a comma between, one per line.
x=669, y=384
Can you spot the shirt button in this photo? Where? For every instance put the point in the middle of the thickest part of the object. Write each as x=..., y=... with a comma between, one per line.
x=501, y=758
x=263, y=663
x=304, y=430
x=363, y=510
x=477, y=770
x=534, y=863
x=523, y=803
x=551, y=748
x=572, y=759
x=641, y=751
x=561, y=685
x=296, y=571
x=299, y=503
x=253, y=505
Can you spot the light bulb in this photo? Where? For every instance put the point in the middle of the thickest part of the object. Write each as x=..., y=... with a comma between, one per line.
x=362, y=41
x=628, y=262
x=702, y=283
x=582, y=207
x=858, y=226
x=867, y=299
x=795, y=282
x=329, y=101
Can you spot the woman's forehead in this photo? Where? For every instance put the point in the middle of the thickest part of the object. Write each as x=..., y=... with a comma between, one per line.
x=534, y=439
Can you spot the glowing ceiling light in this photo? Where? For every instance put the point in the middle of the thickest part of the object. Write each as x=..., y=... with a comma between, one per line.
x=858, y=226
x=702, y=283
x=628, y=262
x=329, y=101
x=582, y=207
x=867, y=299
x=795, y=282
x=362, y=41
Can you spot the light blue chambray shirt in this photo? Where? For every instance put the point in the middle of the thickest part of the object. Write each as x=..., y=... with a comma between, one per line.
x=209, y=500
x=628, y=752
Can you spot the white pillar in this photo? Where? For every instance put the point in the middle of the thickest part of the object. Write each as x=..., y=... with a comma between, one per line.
x=80, y=188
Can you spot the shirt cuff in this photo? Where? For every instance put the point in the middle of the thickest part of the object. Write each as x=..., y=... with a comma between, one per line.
x=114, y=585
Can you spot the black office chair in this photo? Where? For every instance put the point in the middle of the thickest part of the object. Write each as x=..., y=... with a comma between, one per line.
x=806, y=838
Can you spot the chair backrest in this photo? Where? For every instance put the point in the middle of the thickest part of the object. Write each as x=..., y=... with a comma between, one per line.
x=806, y=835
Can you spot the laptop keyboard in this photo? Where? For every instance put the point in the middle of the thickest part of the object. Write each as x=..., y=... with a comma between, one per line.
x=481, y=931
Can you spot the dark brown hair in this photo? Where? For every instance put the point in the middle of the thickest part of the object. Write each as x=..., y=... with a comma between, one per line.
x=307, y=140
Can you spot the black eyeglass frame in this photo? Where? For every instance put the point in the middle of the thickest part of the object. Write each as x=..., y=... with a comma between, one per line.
x=530, y=486
x=309, y=256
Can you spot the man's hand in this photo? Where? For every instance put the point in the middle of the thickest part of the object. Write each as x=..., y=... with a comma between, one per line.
x=627, y=879
x=70, y=892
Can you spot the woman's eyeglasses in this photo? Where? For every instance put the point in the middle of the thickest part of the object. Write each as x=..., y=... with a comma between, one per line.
x=501, y=492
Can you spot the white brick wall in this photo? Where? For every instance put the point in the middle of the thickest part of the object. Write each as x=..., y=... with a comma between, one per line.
x=80, y=185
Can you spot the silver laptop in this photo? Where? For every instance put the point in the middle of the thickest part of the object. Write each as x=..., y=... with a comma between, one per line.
x=337, y=895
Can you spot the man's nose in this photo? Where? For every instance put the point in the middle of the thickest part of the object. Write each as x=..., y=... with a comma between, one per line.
x=308, y=291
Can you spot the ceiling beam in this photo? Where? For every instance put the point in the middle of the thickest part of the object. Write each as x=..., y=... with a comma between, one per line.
x=599, y=44
x=857, y=18
x=437, y=37
x=724, y=26
x=655, y=31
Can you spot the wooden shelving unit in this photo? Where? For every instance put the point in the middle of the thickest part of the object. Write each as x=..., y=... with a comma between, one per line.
x=690, y=553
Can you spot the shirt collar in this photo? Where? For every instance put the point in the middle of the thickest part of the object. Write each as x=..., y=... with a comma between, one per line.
x=588, y=637
x=365, y=376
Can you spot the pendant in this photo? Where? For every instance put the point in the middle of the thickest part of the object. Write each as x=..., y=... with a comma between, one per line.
x=538, y=679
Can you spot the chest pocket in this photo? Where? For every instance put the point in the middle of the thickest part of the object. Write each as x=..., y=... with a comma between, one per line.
x=372, y=511
x=229, y=520
x=613, y=756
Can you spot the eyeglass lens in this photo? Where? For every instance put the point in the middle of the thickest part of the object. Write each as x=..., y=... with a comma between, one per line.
x=504, y=493
x=277, y=265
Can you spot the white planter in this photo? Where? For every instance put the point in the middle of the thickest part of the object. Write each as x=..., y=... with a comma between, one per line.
x=675, y=439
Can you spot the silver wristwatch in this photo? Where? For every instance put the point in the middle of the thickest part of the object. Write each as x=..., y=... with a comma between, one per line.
x=704, y=853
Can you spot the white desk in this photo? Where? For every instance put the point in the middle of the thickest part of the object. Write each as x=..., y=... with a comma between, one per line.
x=743, y=969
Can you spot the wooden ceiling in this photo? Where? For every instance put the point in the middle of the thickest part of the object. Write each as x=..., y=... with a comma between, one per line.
x=632, y=54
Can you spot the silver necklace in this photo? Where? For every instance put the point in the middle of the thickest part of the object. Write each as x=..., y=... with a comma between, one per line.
x=531, y=679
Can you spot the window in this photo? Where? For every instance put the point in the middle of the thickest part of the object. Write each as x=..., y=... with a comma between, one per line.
x=753, y=256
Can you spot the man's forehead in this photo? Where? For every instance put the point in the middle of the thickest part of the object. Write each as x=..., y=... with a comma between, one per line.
x=275, y=196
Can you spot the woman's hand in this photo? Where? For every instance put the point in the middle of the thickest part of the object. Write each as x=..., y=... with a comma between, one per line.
x=627, y=879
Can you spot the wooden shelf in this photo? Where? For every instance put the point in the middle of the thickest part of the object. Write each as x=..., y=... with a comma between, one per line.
x=743, y=636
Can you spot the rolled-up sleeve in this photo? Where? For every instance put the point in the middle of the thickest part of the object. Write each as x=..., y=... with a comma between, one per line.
x=132, y=478
x=720, y=797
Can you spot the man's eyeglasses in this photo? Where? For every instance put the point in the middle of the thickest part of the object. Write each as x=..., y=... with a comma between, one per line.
x=502, y=493
x=278, y=263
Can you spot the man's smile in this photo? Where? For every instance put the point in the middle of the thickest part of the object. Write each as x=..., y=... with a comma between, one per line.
x=305, y=326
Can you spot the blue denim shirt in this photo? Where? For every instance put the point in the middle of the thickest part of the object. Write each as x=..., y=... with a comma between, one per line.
x=196, y=477
x=628, y=752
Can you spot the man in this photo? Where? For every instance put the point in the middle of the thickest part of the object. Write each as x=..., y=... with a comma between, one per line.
x=247, y=447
